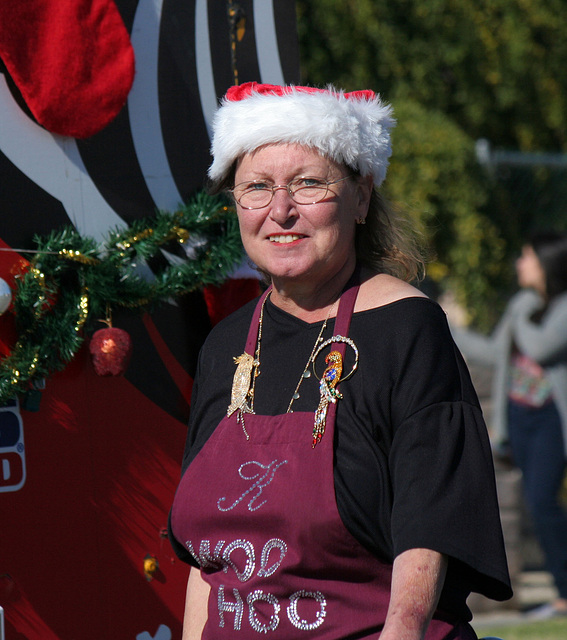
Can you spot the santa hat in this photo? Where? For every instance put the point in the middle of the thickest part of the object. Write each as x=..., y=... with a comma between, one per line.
x=351, y=128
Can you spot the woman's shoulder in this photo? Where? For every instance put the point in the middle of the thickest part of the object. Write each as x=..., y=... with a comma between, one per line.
x=380, y=289
x=232, y=326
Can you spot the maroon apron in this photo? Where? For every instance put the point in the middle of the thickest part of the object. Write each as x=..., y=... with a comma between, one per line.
x=260, y=517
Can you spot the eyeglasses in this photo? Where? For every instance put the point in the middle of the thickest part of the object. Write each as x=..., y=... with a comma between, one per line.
x=256, y=194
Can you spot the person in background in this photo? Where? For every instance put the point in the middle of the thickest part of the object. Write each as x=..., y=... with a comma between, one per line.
x=337, y=480
x=528, y=349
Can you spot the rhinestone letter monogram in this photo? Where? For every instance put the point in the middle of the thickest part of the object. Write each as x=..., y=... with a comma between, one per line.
x=263, y=474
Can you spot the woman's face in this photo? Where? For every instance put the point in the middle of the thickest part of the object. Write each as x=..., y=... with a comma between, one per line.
x=298, y=242
x=529, y=270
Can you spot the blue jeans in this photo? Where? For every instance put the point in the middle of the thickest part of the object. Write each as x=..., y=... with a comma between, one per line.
x=536, y=440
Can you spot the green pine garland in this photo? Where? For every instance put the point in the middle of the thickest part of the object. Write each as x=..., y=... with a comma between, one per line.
x=72, y=279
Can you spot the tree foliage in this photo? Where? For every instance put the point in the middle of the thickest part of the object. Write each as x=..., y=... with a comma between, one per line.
x=498, y=68
x=435, y=175
x=455, y=71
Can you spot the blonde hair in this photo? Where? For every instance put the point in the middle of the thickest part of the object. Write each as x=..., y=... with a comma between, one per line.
x=389, y=243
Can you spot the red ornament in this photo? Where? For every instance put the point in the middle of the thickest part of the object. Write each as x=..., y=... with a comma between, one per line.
x=111, y=349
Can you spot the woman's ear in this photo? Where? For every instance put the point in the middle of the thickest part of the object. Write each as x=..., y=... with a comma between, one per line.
x=364, y=187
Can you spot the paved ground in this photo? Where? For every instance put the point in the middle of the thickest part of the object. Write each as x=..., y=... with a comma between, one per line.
x=531, y=587
x=534, y=588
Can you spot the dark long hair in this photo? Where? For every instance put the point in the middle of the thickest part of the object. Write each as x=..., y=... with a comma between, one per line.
x=551, y=249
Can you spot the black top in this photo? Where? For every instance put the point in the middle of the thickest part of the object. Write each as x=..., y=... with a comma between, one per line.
x=413, y=462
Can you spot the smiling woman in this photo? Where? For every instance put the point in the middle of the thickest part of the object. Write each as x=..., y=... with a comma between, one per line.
x=304, y=247
x=337, y=478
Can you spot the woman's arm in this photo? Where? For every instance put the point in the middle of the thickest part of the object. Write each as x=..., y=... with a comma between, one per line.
x=195, y=606
x=417, y=580
x=544, y=342
x=475, y=347
x=490, y=349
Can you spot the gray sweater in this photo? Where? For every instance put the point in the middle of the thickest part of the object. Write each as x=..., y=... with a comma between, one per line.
x=546, y=343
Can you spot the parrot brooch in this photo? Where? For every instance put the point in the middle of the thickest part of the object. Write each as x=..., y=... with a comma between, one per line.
x=329, y=393
x=241, y=384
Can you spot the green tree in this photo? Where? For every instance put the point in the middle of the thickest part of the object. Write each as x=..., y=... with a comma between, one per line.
x=496, y=67
x=434, y=175
x=455, y=71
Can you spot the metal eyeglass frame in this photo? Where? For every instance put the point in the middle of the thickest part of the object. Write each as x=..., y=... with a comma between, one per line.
x=288, y=187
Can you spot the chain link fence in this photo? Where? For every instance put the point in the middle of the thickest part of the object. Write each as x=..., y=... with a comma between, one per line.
x=529, y=190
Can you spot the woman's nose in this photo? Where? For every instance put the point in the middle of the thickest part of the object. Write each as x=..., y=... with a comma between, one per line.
x=282, y=206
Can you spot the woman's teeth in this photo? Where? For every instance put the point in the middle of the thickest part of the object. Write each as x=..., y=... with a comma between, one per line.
x=284, y=239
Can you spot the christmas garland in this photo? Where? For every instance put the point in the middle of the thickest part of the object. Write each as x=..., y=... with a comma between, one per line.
x=72, y=279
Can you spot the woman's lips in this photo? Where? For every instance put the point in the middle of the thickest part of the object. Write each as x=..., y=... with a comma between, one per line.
x=285, y=238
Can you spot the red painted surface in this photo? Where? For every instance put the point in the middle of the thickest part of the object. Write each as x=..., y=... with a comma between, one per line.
x=102, y=466
x=86, y=482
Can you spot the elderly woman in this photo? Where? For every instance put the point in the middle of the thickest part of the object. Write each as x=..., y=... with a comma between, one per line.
x=337, y=479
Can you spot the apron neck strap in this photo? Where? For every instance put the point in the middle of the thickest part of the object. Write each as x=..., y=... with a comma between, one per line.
x=253, y=330
x=346, y=306
x=342, y=322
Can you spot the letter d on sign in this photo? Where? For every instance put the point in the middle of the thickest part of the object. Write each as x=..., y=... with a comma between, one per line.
x=12, y=451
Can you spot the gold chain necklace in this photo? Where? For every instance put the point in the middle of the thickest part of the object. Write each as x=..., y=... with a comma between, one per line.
x=306, y=373
x=243, y=389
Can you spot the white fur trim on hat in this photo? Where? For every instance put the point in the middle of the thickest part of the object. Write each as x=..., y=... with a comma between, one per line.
x=353, y=129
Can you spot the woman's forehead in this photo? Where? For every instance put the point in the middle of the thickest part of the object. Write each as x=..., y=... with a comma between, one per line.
x=286, y=153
